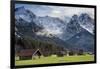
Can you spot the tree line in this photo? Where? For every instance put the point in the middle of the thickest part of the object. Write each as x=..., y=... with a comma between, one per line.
x=47, y=48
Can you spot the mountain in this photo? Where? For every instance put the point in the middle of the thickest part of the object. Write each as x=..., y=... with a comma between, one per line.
x=30, y=29
x=86, y=22
x=72, y=28
x=82, y=40
x=51, y=26
x=25, y=14
x=78, y=24
x=66, y=19
x=71, y=33
x=24, y=21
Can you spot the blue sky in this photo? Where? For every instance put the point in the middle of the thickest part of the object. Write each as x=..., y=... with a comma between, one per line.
x=56, y=11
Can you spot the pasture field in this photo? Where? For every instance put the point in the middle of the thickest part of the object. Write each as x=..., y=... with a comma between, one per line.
x=54, y=59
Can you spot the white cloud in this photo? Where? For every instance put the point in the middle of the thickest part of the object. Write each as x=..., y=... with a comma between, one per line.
x=55, y=13
x=69, y=11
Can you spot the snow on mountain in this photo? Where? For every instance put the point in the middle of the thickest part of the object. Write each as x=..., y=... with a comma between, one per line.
x=23, y=13
x=24, y=22
x=52, y=26
x=66, y=19
x=72, y=28
x=86, y=22
x=63, y=28
x=74, y=32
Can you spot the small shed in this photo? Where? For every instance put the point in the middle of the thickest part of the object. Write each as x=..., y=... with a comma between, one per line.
x=29, y=53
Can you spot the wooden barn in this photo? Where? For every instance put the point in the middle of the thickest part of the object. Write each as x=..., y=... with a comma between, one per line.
x=28, y=54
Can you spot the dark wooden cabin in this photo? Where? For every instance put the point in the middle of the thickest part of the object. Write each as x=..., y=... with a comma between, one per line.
x=28, y=54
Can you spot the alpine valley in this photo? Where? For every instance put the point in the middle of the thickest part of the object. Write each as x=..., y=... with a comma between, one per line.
x=71, y=33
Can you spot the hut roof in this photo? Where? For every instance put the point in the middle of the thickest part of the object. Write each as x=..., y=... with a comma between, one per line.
x=27, y=52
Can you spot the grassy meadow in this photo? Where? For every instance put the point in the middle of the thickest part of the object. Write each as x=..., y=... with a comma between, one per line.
x=54, y=59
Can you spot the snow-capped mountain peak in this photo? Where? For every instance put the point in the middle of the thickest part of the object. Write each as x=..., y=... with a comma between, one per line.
x=53, y=26
x=25, y=14
x=86, y=22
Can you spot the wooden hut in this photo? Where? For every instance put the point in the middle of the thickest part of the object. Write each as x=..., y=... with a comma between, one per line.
x=29, y=53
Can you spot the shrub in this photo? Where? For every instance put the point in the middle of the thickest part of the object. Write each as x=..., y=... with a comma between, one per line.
x=60, y=54
x=80, y=52
x=71, y=53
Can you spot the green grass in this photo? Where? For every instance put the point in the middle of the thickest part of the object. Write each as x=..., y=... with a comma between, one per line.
x=54, y=59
